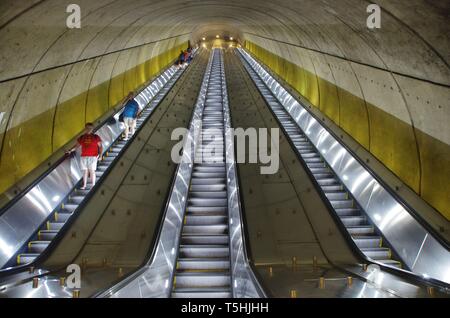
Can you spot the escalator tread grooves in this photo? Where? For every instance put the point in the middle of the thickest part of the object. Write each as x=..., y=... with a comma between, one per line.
x=361, y=229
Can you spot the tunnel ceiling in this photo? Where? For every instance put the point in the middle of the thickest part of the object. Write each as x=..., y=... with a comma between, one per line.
x=402, y=69
x=34, y=36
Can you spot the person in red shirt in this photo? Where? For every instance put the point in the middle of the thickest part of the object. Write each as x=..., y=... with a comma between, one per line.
x=91, y=150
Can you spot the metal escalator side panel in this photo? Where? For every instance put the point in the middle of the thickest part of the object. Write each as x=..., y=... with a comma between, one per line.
x=412, y=242
x=155, y=279
x=244, y=281
x=37, y=209
x=203, y=262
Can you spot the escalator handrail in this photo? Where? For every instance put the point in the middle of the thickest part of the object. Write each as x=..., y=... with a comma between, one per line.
x=122, y=282
x=355, y=249
x=260, y=289
x=208, y=71
x=388, y=188
x=116, y=110
x=61, y=233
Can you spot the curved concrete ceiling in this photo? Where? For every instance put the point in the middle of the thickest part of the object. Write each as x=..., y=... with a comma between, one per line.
x=402, y=69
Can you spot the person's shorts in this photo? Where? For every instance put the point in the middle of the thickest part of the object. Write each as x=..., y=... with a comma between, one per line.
x=130, y=122
x=89, y=163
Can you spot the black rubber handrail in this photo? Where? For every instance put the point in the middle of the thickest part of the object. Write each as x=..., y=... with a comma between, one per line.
x=61, y=233
x=123, y=281
x=64, y=157
x=396, y=196
x=172, y=275
x=355, y=249
x=245, y=236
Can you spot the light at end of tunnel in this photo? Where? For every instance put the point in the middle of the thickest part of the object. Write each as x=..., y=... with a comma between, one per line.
x=217, y=36
x=203, y=39
x=204, y=45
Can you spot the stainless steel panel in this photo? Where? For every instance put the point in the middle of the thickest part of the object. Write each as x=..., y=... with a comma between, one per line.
x=22, y=219
x=418, y=249
x=244, y=282
x=155, y=279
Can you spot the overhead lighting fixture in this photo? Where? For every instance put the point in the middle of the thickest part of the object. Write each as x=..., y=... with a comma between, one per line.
x=217, y=36
x=203, y=39
x=231, y=38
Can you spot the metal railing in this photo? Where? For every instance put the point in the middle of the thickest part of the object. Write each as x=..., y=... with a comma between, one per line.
x=417, y=247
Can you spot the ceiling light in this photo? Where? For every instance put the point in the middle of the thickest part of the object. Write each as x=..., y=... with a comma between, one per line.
x=217, y=36
x=231, y=38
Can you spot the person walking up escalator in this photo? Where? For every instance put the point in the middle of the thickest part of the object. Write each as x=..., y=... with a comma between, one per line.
x=91, y=150
x=130, y=115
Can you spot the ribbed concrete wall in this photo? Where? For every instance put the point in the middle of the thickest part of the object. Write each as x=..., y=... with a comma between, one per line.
x=54, y=80
x=388, y=88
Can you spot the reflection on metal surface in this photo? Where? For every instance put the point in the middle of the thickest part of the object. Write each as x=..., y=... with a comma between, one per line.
x=416, y=247
x=19, y=222
x=154, y=280
x=245, y=284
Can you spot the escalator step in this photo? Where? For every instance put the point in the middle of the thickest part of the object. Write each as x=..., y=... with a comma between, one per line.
x=208, y=194
x=368, y=241
x=328, y=188
x=353, y=220
x=207, y=292
x=348, y=212
x=203, y=251
x=186, y=280
x=208, y=181
x=191, y=239
x=75, y=199
x=361, y=229
x=338, y=195
x=205, y=229
x=206, y=220
x=26, y=258
x=203, y=209
x=54, y=225
x=70, y=207
x=192, y=264
x=377, y=253
x=208, y=202
x=37, y=246
x=328, y=182
x=342, y=204
x=62, y=217
x=47, y=235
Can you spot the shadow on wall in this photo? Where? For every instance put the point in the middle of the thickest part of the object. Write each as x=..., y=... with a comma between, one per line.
x=418, y=159
x=31, y=141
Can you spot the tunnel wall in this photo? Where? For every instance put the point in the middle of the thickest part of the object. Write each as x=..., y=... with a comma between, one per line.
x=42, y=112
x=368, y=104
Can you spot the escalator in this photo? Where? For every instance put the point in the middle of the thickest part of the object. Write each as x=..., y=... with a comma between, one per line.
x=381, y=228
x=201, y=249
x=203, y=264
x=362, y=230
x=55, y=198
